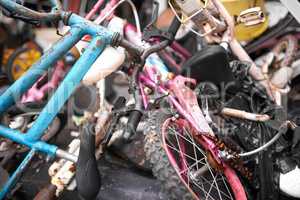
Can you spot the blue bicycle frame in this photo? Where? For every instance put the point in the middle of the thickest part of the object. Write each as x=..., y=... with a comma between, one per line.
x=32, y=139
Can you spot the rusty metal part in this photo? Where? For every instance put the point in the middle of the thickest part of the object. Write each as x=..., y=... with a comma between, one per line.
x=74, y=51
x=64, y=175
x=47, y=193
x=228, y=37
x=62, y=171
x=188, y=100
x=227, y=155
x=31, y=14
x=245, y=115
x=232, y=158
x=213, y=163
x=103, y=122
x=134, y=153
x=200, y=15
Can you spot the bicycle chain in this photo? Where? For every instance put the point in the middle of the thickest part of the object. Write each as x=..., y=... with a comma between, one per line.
x=233, y=158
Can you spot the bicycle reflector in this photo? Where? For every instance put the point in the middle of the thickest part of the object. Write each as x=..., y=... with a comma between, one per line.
x=196, y=11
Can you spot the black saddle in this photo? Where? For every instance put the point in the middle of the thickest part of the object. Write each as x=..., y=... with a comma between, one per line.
x=211, y=64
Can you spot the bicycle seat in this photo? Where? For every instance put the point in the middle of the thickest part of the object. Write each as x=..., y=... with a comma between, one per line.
x=210, y=64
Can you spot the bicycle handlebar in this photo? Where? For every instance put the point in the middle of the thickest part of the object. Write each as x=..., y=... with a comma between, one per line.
x=21, y=10
x=58, y=14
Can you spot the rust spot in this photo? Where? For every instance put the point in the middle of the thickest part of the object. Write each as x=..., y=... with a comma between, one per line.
x=213, y=163
x=98, y=43
x=72, y=168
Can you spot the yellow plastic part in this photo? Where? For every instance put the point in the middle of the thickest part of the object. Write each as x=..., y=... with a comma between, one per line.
x=243, y=33
x=7, y=53
x=24, y=61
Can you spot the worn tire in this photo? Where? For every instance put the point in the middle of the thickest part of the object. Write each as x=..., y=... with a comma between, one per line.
x=9, y=68
x=161, y=167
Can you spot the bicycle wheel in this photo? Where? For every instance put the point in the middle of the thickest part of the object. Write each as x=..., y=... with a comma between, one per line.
x=185, y=168
x=20, y=61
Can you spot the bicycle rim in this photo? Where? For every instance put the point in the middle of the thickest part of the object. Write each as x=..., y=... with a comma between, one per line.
x=193, y=166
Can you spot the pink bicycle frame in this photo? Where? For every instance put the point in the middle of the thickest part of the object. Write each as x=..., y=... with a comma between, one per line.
x=37, y=92
x=185, y=102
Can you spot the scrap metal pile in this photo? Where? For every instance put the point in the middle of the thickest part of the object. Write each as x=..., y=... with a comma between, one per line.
x=158, y=99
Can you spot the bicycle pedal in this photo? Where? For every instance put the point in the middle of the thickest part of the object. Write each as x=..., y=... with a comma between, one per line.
x=87, y=174
x=251, y=17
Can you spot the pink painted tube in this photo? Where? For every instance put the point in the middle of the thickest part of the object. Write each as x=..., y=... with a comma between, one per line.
x=94, y=9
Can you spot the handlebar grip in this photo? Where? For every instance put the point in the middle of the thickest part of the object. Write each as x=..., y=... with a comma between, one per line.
x=132, y=124
x=175, y=25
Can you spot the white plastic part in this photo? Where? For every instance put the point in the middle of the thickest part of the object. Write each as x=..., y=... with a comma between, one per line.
x=293, y=6
x=276, y=11
x=109, y=61
x=290, y=183
x=282, y=77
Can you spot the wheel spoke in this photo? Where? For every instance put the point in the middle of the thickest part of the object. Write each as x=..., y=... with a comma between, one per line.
x=191, y=142
x=189, y=159
x=173, y=148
